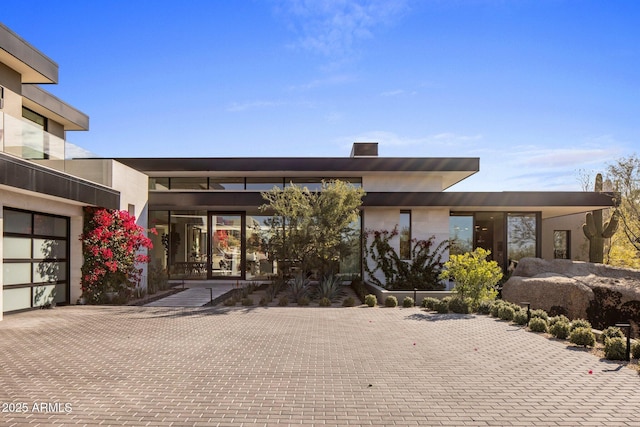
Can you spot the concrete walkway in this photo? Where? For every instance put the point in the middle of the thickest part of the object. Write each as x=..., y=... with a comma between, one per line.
x=193, y=296
x=239, y=366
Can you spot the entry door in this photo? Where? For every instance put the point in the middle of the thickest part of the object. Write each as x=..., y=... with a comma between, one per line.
x=227, y=245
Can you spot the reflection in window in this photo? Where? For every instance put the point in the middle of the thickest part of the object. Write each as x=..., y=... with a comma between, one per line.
x=196, y=183
x=226, y=184
x=264, y=184
x=521, y=235
x=260, y=263
x=226, y=245
x=405, y=235
x=561, y=244
x=186, y=244
x=460, y=234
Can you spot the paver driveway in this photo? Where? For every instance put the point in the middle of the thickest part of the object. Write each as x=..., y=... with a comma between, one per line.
x=313, y=366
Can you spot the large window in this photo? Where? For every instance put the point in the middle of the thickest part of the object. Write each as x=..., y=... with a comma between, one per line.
x=405, y=235
x=186, y=244
x=226, y=245
x=259, y=261
x=35, y=260
x=460, y=234
x=521, y=235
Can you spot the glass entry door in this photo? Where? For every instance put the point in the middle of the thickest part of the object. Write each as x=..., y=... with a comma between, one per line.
x=227, y=237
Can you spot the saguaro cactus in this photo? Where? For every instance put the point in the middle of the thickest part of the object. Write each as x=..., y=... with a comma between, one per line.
x=595, y=231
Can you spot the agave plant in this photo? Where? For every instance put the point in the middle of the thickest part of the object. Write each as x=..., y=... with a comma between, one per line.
x=299, y=287
x=330, y=287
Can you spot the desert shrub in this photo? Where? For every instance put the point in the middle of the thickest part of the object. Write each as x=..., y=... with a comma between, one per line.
x=407, y=302
x=558, y=319
x=330, y=287
x=506, y=312
x=299, y=287
x=460, y=305
x=537, y=324
x=247, y=301
x=582, y=336
x=324, y=302
x=443, y=306
x=484, y=307
x=391, y=301
x=560, y=330
x=371, y=300
x=520, y=318
x=611, y=332
x=580, y=323
x=474, y=276
x=283, y=301
x=348, y=302
x=635, y=350
x=430, y=303
x=304, y=301
x=229, y=302
x=540, y=314
x=495, y=308
x=615, y=348
x=265, y=301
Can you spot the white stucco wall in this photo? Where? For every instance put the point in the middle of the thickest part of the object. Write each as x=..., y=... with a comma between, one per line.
x=402, y=182
x=425, y=222
x=573, y=223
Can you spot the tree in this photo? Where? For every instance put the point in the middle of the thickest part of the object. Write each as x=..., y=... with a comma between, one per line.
x=312, y=229
x=475, y=277
x=624, y=175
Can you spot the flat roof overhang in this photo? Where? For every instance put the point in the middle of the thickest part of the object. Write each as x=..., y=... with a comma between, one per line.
x=451, y=169
x=23, y=176
x=33, y=65
x=42, y=102
x=551, y=204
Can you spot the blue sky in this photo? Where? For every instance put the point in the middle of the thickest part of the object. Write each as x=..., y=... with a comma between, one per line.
x=538, y=89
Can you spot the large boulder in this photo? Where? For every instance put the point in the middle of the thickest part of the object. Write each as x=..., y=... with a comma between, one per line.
x=601, y=293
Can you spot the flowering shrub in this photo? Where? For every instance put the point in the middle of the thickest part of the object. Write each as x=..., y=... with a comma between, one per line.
x=111, y=242
x=420, y=272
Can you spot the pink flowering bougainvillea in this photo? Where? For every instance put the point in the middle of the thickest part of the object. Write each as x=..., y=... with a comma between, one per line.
x=111, y=243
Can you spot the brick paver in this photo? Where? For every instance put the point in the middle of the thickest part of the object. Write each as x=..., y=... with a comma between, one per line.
x=298, y=366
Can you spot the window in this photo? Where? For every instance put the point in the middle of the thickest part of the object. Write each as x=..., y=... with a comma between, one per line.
x=226, y=184
x=405, y=235
x=264, y=184
x=194, y=183
x=521, y=235
x=460, y=234
x=562, y=244
x=32, y=116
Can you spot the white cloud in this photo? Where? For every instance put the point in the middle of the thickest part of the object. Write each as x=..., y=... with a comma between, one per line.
x=332, y=27
x=319, y=83
x=251, y=105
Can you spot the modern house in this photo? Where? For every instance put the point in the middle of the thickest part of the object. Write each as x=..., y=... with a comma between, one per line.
x=206, y=210
x=42, y=194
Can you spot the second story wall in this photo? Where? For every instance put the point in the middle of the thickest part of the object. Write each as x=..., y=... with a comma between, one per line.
x=402, y=182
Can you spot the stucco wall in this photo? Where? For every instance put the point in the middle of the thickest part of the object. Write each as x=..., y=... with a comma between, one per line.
x=402, y=182
x=573, y=223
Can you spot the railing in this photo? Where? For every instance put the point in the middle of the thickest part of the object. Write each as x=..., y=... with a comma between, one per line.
x=28, y=141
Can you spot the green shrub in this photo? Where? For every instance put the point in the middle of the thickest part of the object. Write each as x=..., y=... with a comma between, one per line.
x=283, y=301
x=558, y=319
x=359, y=288
x=580, y=323
x=560, y=330
x=615, y=348
x=299, y=287
x=265, y=301
x=407, y=302
x=229, y=302
x=506, y=312
x=247, y=301
x=582, y=336
x=371, y=300
x=635, y=349
x=474, y=276
x=484, y=307
x=443, y=306
x=520, y=318
x=430, y=303
x=330, y=287
x=348, y=302
x=304, y=301
x=391, y=301
x=612, y=332
x=537, y=324
x=460, y=305
x=495, y=308
x=540, y=314
x=324, y=302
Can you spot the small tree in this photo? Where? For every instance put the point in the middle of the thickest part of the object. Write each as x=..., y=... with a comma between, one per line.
x=312, y=228
x=475, y=277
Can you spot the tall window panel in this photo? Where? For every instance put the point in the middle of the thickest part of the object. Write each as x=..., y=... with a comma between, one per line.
x=405, y=235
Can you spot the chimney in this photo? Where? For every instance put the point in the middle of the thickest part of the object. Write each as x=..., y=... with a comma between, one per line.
x=364, y=149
